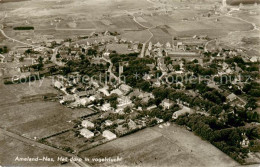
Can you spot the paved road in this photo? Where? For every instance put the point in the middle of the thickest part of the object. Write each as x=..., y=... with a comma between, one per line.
x=42, y=146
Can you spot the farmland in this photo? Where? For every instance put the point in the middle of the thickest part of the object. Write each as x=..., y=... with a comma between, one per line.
x=148, y=147
x=11, y=148
x=50, y=117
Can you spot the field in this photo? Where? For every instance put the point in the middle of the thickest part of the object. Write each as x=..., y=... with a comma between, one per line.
x=148, y=148
x=11, y=148
x=35, y=118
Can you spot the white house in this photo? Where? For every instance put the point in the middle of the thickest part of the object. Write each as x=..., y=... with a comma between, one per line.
x=231, y=97
x=151, y=107
x=166, y=104
x=87, y=124
x=86, y=133
x=117, y=91
x=181, y=112
x=58, y=84
x=104, y=91
x=124, y=102
x=106, y=107
x=84, y=101
x=125, y=88
x=109, y=135
x=108, y=123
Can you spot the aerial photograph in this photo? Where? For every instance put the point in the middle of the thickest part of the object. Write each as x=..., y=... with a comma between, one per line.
x=130, y=83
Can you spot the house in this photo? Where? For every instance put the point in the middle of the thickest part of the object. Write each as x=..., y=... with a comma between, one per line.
x=82, y=94
x=92, y=98
x=121, y=130
x=86, y=133
x=106, y=107
x=232, y=97
x=104, y=91
x=181, y=112
x=87, y=124
x=158, y=45
x=68, y=98
x=58, y=84
x=151, y=107
x=254, y=59
x=124, y=102
x=108, y=123
x=132, y=125
x=168, y=45
x=245, y=142
x=109, y=135
x=125, y=88
x=166, y=104
x=84, y=101
x=117, y=91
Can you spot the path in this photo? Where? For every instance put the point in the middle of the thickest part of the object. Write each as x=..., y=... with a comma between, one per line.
x=147, y=28
x=14, y=40
x=42, y=146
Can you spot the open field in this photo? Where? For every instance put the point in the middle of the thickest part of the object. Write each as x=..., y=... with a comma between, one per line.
x=36, y=118
x=11, y=148
x=148, y=148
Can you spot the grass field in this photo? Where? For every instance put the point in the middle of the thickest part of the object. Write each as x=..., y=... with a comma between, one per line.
x=11, y=148
x=170, y=146
x=37, y=118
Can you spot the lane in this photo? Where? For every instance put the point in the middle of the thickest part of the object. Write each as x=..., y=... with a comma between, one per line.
x=14, y=40
x=145, y=27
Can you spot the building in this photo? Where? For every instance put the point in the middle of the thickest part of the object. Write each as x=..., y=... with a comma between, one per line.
x=87, y=124
x=117, y=91
x=108, y=123
x=125, y=88
x=132, y=125
x=108, y=135
x=86, y=133
x=166, y=104
x=183, y=111
x=185, y=55
x=68, y=98
x=151, y=107
x=232, y=97
x=58, y=84
x=124, y=102
x=106, y=107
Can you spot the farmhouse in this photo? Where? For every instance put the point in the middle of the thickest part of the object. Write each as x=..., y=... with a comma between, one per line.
x=109, y=135
x=86, y=133
x=87, y=124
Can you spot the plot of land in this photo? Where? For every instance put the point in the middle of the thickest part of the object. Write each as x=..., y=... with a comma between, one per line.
x=37, y=118
x=12, y=148
x=170, y=146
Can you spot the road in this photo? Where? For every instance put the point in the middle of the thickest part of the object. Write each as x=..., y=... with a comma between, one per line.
x=42, y=146
x=14, y=40
x=75, y=29
x=110, y=69
x=145, y=27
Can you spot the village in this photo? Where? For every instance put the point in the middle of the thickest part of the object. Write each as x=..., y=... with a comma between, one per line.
x=198, y=82
x=121, y=108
